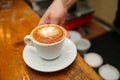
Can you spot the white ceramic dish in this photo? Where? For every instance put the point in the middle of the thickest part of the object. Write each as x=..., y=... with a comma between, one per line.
x=83, y=45
x=68, y=55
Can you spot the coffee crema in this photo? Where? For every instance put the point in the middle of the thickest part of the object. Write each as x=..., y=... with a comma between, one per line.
x=48, y=34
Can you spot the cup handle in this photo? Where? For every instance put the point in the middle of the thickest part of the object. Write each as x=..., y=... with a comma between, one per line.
x=28, y=41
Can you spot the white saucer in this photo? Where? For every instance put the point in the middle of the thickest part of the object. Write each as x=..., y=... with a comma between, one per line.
x=68, y=55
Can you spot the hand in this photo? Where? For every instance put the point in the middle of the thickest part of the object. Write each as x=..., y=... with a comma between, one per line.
x=55, y=14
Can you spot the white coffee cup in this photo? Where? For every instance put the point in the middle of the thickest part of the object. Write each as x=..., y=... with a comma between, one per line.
x=83, y=45
x=46, y=51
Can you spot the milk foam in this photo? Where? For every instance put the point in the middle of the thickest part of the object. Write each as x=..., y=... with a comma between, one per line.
x=49, y=31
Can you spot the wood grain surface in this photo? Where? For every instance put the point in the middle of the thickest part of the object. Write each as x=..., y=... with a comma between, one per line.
x=16, y=22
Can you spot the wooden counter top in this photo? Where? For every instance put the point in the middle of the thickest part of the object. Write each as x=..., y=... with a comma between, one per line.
x=16, y=22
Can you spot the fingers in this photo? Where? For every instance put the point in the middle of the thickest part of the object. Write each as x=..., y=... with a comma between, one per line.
x=51, y=20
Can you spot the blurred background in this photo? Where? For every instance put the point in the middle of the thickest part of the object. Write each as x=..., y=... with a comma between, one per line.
x=104, y=10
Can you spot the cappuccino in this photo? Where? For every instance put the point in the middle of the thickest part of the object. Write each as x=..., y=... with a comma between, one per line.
x=48, y=34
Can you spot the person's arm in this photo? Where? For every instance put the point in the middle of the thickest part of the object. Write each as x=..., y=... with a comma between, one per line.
x=68, y=3
x=57, y=11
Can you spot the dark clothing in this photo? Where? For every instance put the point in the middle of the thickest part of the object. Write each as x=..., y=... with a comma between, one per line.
x=117, y=18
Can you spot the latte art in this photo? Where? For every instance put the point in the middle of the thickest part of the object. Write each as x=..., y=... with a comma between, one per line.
x=49, y=31
x=48, y=34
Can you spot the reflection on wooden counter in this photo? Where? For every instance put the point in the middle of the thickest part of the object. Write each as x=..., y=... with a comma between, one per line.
x=16, y=22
